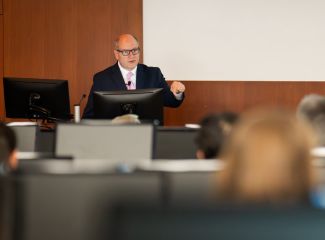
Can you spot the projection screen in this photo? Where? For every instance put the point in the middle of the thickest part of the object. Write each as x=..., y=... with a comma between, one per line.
x=235, y=39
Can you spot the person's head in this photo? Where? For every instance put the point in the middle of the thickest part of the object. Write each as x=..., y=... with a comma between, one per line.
x=213, y=132
x=267, y=160
x=311, y=108
x=8, y=152
x=127, y=51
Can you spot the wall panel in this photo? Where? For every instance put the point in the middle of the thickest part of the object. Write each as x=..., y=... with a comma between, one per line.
x=203, y=97
x=1, y=66
x=65, y=39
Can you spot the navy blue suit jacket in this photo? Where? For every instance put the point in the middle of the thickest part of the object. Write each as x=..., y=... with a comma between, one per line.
x=111, y=79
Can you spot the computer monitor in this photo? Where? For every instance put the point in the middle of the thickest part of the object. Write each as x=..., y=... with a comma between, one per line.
x=175, y=143
x=117, y=142
x=36, y=98
x=50, y=200
x=138, y=223
x=146, y=103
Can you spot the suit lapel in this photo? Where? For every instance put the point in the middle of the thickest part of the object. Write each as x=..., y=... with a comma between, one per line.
x=140, y=77
x=117, y=78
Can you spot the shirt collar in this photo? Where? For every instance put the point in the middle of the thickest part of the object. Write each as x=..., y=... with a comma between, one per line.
x=125, y=71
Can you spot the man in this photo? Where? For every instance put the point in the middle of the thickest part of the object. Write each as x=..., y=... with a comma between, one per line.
x=8, y=151
x=127, y=73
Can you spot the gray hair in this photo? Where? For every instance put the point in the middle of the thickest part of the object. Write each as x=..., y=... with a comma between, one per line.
x=312, y=109
x=311, y=106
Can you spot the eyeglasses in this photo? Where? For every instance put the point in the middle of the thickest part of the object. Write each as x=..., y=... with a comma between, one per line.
x=125, y=52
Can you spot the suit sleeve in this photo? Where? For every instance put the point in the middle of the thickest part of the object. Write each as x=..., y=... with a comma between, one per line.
x=89, y=110
x=169, y=98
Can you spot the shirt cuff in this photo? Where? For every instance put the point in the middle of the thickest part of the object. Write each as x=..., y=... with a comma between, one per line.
x=179, y=96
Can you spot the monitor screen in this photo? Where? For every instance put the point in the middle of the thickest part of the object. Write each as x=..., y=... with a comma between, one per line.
x=175, y=143
x=36, y=98
x=146, y=103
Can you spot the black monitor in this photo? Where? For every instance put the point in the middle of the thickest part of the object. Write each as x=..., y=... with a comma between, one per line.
x=139, y=223
x=51, y=200
x=175, y=143
x=36, y=98
x=146, y=103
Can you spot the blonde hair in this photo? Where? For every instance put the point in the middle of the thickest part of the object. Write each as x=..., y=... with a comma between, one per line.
x=267, y=160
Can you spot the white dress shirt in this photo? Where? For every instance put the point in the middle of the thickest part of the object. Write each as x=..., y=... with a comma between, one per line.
x=178, y=96
x=125, y=72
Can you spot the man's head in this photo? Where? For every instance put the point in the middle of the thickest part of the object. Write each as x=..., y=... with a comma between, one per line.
x=127, y=51
x=312, y=109
x=8, y=150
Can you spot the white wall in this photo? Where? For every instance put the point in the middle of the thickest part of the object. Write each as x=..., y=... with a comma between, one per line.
x=235, y=39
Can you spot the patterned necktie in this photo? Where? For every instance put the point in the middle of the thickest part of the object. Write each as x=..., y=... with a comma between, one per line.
x=129, y=83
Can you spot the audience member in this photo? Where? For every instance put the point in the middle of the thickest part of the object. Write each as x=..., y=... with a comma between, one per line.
x=213, y=132
x=267, y=160
x=8, y=151
x=312, y=109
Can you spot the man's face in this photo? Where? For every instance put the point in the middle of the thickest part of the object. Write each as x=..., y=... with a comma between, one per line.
x=127, y=42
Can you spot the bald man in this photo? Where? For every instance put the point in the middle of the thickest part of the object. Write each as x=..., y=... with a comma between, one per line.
x=128, y=73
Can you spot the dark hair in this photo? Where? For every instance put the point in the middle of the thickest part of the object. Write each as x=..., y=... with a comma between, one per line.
x=213, y=132
x=7, y=142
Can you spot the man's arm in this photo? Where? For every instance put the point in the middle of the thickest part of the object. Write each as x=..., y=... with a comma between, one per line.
x=174, y=95
x=178, y=89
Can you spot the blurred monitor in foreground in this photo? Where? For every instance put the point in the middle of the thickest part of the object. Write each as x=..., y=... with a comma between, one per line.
x=143, y=223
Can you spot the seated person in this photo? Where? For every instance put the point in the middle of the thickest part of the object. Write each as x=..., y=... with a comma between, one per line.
x=213, y=132
x=8, y=149
x=267, y=161
x=312, y=109
x=128, y=74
